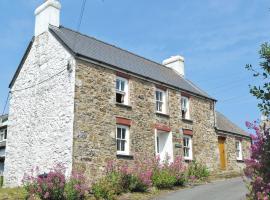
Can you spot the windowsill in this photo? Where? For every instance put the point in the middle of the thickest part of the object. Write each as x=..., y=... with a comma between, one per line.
x=162, y=114
x=188, y=160
x=123, y=105
x=125, y=156
x=187, y=120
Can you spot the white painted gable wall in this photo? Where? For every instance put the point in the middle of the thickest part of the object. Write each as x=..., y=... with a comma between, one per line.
x=41, y=117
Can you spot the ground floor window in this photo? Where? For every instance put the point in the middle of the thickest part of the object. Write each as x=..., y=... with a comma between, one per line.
x=187, y=147
x=122, y=139
x=239, y=155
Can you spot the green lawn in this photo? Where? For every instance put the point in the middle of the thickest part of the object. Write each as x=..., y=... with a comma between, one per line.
x=12, y=194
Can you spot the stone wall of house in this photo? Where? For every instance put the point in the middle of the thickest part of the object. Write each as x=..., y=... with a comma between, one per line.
x=230, y=146
x=95, y=121
x=40, y=128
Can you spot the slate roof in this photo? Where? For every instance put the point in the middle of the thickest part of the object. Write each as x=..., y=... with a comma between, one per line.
x=223, y=124
x=88, y=47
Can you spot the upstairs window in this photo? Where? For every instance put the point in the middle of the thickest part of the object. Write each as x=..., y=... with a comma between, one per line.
x=187, y=147
x=3, y=135
x=160, y=101
x=185, y=107
x=122, y=140
x=122, y=90
x=239, y=155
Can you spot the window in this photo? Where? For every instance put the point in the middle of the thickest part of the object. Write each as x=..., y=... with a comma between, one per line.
x=185, y=108
x=187, y=146
x=122, y=140
x=239, y=155
x=3, y=135
x=121, y=90
x=160, y=101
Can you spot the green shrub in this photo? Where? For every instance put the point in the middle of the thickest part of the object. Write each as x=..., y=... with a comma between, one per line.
x=132, y=183
x=108, y=187
x=1, y=181
x=163, y=179
x=197, y=171
x=76, y=187
x=181, y=180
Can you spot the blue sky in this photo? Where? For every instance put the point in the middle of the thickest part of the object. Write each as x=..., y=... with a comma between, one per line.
x=217, y=39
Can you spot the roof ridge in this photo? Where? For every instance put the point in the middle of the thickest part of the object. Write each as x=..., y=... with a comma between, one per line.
x=112, y=45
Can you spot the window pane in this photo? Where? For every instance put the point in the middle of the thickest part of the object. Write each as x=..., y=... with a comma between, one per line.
x=157, y=144
x=119, y=98
x=118, y=132
x=123, y=133
x=157, y=95
x=122, y=85
x=5, y=137
x=185, y=152
x=118, y=145
x=187, y=142
x=123, y=145
x=117, y=84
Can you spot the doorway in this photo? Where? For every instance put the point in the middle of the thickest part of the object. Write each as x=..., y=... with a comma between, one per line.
x=164, y=146
x=222, y=154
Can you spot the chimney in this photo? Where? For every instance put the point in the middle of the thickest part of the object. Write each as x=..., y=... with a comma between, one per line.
x=46, y=14
x=176, y=63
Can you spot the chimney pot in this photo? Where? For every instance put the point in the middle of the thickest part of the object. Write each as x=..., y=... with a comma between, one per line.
x=176, y=63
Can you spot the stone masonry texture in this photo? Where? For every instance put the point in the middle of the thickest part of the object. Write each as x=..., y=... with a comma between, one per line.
x=95, y=122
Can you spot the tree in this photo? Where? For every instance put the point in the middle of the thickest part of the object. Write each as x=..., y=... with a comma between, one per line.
x=258, y=166
x=262, y=92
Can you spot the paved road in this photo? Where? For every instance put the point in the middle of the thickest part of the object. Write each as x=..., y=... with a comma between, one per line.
x=232, y=189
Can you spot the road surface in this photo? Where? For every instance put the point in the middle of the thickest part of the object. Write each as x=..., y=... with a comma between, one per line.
x=230, y=189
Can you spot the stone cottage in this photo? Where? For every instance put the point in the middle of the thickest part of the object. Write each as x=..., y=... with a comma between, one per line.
x=82, y=102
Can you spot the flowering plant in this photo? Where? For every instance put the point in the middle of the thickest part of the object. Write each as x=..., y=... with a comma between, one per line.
x=257, y=168
x=54, y=185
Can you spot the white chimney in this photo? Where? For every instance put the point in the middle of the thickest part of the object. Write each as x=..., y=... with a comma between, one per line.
x=176, y=63
x=47, y=13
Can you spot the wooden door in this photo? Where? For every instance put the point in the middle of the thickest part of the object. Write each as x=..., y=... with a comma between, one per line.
x=221, y=146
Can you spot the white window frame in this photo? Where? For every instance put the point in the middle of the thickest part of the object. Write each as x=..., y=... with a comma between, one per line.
x=187, y=115
x=126, y=151
x=239, y=153
x=2, y=135
x=125, y=91
x=189, y=147
x=163, y=100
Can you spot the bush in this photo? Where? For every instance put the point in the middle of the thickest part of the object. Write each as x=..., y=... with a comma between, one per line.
x=76, y=187
x=197, y=171
x=54, y=185
x=1, y=181
x=163, y=179
x=132, y=183
x=169, y=174
x=46, y=186
x=108, y=187
x=257, y=167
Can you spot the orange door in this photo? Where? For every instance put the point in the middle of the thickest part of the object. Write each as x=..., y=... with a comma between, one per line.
x=221, y=146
